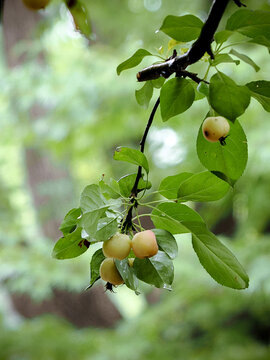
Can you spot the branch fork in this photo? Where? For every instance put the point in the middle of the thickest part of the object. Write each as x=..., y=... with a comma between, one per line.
x=177, y=64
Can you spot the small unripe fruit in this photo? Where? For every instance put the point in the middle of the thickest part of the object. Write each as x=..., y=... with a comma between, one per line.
x=36, y=4
x=118, y=246
x=144, y=244
x=108, y=272
x=215, y=128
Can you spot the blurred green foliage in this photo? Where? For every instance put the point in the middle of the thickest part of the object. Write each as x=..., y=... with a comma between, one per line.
x=87, y=110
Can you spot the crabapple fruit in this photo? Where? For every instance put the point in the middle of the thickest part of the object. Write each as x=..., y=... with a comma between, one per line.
x=215, y=128
x=108, y=272
x=144, y=244
x=36, y=4
x=118, y=246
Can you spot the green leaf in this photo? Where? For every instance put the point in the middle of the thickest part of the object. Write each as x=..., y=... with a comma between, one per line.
x=260, y=90
x=203, y=88
x=223, y=58
x=182, y=28
x=70, y=221
x=217, y=259
x=166, y=242
x=175, y=218
x=111, y=190
x=157, y=270
x=158, y=83
x=90, y=219
x=226, y=97
x=93, y=207
x=133, y=61
x=261, y=40
x=128, y=274
x=176, y=96
x=169, y=185
x=220, y=263
x=95, y=263
x=80, y=16
x=132, y=156
x=250, y=23
x=126, y=184
x=198, y=94
x=92, y=199
x=144, y=95
x=70, y=246
x=203, y=186
x=246, y=59
x=222, y=36
x=230, y=159
x=106, y=228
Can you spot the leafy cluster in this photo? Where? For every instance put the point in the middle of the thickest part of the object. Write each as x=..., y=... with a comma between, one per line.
x=107, y=207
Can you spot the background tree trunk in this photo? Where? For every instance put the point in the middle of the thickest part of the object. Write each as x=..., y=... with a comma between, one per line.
x=92, y=308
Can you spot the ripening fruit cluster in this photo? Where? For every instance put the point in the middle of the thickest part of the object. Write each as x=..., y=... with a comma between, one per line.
x=215, y=128
x=36, y=4
x=143, y=244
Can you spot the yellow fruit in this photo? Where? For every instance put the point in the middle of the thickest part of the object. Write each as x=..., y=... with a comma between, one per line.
x=118, y=246
x=36, y=4
x=215, y=127
x=108, y=272
x=144, y=244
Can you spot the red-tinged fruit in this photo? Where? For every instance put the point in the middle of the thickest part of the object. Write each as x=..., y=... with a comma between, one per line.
x=144, y=244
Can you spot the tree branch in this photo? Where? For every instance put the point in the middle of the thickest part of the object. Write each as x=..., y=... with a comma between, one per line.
x=197, y=50
x=176, y=64
x=134, y=190
x=239, y=3
x=127, y=223
x=1, y=10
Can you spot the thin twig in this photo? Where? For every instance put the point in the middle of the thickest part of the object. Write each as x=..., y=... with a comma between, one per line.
x=239, y=3
x=127, y=222
x=192, y=76
x=134, y=190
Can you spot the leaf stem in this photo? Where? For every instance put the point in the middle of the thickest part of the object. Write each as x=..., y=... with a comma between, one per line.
x=232, y=44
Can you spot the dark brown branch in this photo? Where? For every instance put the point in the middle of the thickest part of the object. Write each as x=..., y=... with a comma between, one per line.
x=134, y=190
x=191, y=75
x=197, y=50
x=239, y=3
x=176, y=64
x=127, y=223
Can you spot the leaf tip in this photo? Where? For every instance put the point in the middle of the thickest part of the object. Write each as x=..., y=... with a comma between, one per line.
x=118, y=70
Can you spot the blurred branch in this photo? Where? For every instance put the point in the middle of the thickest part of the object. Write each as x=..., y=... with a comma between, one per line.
x=1, y=10
x=197, y=50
